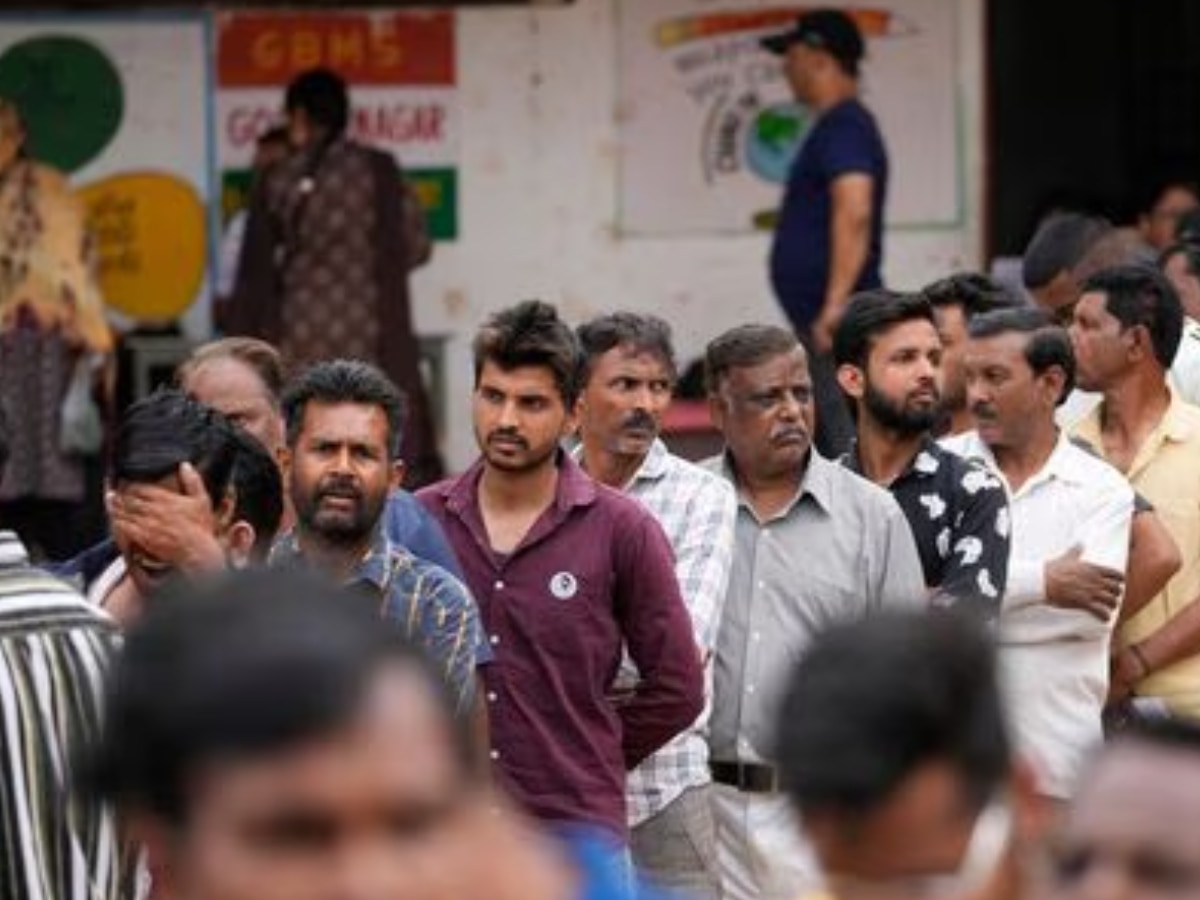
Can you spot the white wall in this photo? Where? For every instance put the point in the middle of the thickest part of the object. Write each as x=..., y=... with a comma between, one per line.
x=538, y=188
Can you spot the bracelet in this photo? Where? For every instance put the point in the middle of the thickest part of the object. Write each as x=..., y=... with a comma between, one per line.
x=1141, y=659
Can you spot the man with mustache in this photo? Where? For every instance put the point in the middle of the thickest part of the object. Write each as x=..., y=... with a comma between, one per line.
x=344, y=430
x=814, y=544
x=628, y=374
x=567, y=573
x=1071, y=516
x=889, y=364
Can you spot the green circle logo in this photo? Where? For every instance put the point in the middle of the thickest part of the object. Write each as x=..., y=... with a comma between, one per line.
x=70, y=96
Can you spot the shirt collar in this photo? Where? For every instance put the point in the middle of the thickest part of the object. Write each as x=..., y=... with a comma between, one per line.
x=1057, y=466
x=817, y=481
x=1174, y=427
x=574, y=488
x=373, y=566
x=654, y=464
x=924, y=464
x=12, y=550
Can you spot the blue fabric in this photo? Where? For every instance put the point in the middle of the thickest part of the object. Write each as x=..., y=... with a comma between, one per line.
x=606, y=866
x=406, y=522
x=80, y=571
x=845, y=140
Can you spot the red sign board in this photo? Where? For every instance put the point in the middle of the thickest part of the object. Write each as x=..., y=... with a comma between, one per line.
x=384, y=48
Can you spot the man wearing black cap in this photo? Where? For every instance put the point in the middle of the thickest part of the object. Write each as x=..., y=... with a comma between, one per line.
x=828, y=242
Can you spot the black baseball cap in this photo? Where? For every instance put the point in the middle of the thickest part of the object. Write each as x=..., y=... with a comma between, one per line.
x=830, y=30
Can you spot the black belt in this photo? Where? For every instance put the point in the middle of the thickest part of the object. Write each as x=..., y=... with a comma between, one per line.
x=754, y=778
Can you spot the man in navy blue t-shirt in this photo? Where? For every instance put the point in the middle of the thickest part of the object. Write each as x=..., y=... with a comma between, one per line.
x=828, y=243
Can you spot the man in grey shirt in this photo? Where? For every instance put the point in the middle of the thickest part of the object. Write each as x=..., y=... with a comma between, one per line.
x=815, y=545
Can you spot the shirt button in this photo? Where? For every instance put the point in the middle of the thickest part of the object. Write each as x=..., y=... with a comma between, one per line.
x=749, y=689
x=756, y=636
x=495, y=639
x=499, y=585
x=491, y=695
x=762, y=585
x=495, y=754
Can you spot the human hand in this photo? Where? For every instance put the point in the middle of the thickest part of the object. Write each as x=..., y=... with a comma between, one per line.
x=178, y=528
x=1126, y=668
x=1072, y=583
x=824, y=327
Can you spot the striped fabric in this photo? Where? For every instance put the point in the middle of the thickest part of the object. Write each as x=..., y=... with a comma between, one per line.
x=54, y=653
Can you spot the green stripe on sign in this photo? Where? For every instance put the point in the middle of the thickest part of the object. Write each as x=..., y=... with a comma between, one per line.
x=438, y=190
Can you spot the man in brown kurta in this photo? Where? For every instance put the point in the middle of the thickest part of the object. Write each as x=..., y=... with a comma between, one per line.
x=324, y=268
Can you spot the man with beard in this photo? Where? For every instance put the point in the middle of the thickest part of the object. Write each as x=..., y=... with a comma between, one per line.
x=566, y=572
x=813, y=545
x=1071, y=515
x=344, y=429
x=889, y=363
x=625, y=386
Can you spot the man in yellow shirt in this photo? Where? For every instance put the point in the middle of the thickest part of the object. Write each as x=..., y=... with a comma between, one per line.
x=1126, y=329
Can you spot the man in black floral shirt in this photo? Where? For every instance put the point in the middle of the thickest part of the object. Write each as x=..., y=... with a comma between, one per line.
x=888, y=357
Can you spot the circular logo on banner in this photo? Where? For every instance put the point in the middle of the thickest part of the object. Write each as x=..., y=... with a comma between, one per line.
x=564, y=585
x=70, y=95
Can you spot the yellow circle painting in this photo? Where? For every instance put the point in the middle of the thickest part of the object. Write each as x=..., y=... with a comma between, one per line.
x=150, y=232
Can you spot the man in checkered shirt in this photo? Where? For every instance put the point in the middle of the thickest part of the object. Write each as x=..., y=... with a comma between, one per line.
x=629, y=371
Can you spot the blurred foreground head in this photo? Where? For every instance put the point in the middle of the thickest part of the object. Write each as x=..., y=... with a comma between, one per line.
x=1133, y=831
x=892, y=746
x=267, y=737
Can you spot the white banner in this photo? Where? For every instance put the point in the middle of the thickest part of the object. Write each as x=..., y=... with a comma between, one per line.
x=709, y=127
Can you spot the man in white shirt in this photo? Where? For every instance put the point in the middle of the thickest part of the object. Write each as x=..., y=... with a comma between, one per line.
x=625, y=387
x=1071, y=516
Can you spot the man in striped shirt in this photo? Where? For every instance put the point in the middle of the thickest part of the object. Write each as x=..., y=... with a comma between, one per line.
x=54, y=652
x=629, y=370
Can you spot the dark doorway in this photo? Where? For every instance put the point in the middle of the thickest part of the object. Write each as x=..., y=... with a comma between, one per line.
x=1091, y=104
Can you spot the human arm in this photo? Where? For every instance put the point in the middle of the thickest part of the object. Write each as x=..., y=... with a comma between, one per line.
x=451, y=631
x=849, y=245
x=976, y=573
x=657, y=630
x=1154, y=558
x=1090, y=575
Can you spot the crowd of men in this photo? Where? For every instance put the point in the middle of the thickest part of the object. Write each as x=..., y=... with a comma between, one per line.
x=875, y=655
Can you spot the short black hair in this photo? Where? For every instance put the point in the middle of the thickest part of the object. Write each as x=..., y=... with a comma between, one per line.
x=1047, y=344
x=257, y=490
x=323, y=96
x=874, y=700
x=243, y=666
x=161, y=432
x=868, y=315
x=638, y=331
x=1190, y=253
x=975, y=292
x=5, y=443
x=1142, y=296
x=1058, y=245
x=745, y=345
x=1151, y=192
x=531, y=334
x=344, y=381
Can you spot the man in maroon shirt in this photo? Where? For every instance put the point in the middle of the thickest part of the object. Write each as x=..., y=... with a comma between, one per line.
x=565, y=571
